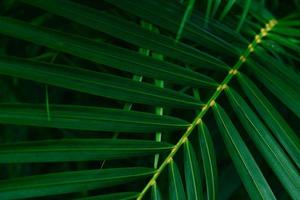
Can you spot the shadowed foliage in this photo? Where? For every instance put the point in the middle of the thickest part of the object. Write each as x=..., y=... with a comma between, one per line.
x=160, y=99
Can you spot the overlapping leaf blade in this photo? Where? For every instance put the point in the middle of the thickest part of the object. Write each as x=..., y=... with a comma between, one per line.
x=217, y=4
x=286, y=42
x=78, y=150
x=176, y=189
x=284, y=133
x=116, y=196
x=227, y=8
x=129, y=32
x=209, y=161
x=66, y=182
x=269, y=148
x=103, y=53
x=87, y=118
x=246, y=7
x=155, y=193
x=283, y=91
x=185, y=18
x=278, y=67
x=251, y=176
x=192, y=173
x=169, y=19
x=95, y=83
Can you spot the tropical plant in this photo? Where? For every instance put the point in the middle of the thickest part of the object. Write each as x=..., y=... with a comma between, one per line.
x=159, y=99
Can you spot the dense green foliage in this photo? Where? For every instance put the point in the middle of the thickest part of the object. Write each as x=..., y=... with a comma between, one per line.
x=149, y=99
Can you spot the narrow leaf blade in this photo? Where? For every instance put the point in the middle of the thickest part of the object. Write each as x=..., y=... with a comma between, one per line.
x=267, y=145
x=176, y=190
x=192, y=173
x=103, y=53
x=251, y=176
x=87, y=118
x=155, y=193
x=209, y=161
x=285, y=135
x=78, y=150
x=67, y=182
x=117, y=196
x=95, y=83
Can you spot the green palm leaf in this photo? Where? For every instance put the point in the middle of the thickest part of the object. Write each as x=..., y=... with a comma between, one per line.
x=209, y=161
x=119, y=196
x=87, y=118
x=192, y=173
x=66, y=182
x=267, y=145
x=152, y=11
x=176, y=190
x=103, y=53
x=278, y=87
x=129, y=32
x=155, y=193
x=78, y=150
x=101, y=100
x=285, y=135
x=95, y=83
x=245, y=164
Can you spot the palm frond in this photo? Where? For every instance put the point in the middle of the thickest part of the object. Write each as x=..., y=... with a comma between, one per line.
x=149, y=100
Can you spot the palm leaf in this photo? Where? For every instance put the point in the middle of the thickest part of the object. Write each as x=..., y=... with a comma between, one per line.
x=66, y=182
x=209, y=161
x=81, y=80
x=192, y=173
x=176, y=190
x=155, y=193
x=87, y=118
x=129, y=32
x=120, y=196
x=92, y=82
x=102, y=53
x=278, y=87
x=285, y=135
x=267, y=145
x=78, y=150
x=152, y=11
x=245, y=164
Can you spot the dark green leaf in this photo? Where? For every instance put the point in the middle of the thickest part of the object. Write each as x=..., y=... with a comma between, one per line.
x=185, y=18
x=286, y=93
x=285, y=135
x=96, y=83
x=169, y=18
x=129, y=32
x=287, y=42
x=176, y=190
x=246, y=7
x=103, y=53
x=209, y=161
x=250, y=174
x=278, y=67
x=87, y=118
x=78, y=150
x=115, y=196
x=227, y=8
x=66, y=182
x=155, y=193
x=192, y=173
x=267, y=145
